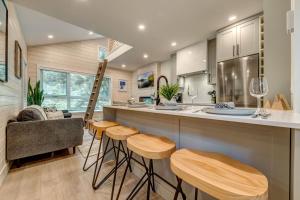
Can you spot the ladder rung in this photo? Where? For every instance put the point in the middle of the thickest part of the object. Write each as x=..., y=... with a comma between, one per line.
x=95, y=91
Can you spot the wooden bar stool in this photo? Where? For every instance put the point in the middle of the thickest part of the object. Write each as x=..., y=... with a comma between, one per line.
x=150, y=147
x=115, y=134
x=218, y=176
x=98, y=128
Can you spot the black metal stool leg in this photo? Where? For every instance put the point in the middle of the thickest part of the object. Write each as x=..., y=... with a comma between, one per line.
x=116, y=169
x=125, y=172
x=118, y=164
x=196, y=193
x=152, y=175
x=146, y=168
x=149, y=180
x=87, y=157
x=114, y=148
x=126, y=155
x=142, y=182
x=137, y=188
x=96, y=171
x=179, y=189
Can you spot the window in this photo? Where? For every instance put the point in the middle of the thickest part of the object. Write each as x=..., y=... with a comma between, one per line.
x=71, y=91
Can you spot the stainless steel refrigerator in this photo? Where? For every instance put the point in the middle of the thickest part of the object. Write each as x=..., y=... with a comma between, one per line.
x=233, y=80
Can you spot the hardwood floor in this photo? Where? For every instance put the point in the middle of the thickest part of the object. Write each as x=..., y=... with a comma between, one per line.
x=62, y=178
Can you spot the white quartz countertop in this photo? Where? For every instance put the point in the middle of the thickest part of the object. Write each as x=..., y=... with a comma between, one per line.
x=286, y=119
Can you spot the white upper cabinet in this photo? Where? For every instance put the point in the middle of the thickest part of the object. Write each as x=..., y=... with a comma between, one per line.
x=192, y=59
x=226, y=44
x=248, y=38
x=238, y=41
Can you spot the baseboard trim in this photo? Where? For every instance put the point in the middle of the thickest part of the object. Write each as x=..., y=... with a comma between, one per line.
x=3, y=173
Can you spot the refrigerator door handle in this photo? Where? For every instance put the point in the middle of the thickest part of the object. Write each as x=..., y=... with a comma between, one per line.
x=238, y=49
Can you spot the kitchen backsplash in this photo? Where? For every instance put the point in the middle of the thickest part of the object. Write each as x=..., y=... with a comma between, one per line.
x=197, y=85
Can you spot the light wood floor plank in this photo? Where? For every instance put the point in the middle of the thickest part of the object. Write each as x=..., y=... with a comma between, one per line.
x=62, y=178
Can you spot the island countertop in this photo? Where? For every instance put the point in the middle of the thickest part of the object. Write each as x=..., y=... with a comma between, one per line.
x=285, y=119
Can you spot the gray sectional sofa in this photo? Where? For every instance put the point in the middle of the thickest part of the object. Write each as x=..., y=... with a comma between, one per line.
x=34, y=137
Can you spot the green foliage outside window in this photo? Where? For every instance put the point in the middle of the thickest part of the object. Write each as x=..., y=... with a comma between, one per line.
x=71, y=91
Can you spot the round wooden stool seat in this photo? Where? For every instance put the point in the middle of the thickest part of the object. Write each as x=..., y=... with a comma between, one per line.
x=101, y=126
x=120, y=132
x=219, y=175
x=150, y=146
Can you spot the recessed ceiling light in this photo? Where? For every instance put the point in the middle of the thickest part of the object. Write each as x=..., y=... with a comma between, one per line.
x=146, y=56
x=173, y=44
x=190, y=52
x=142, y=27
x=231, y=18
x=123, y=66
x=50, y=36
x=91, y=33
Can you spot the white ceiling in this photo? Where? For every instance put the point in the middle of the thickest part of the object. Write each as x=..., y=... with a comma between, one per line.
x=37, y=26
x=183, y=21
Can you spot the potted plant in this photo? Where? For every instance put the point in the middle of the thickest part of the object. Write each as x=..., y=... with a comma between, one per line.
x=169, y=92
x=35, y=96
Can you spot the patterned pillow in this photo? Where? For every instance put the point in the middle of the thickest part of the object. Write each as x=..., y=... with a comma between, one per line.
x=55, y=115
x=50, y=109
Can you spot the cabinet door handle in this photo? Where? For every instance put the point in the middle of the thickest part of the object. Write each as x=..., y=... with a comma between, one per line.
x=238, y=49
x=233, y=50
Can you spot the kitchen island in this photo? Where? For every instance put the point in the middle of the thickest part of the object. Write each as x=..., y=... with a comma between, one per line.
x=266, y=144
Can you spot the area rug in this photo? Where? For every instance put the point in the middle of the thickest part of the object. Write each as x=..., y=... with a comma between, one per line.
x=84, y=148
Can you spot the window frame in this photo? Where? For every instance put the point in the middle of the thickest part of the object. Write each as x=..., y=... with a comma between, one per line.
x=68, y=89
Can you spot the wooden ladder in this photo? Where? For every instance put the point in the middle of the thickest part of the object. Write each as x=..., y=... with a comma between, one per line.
x=95, y=92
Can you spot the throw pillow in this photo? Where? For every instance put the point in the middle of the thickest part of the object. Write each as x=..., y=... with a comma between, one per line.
x=29, y=115
x=55, y=115
x=39, y=109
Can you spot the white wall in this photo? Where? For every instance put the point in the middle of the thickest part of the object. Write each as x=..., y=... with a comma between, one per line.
x=295, y=182
x=10, y=92
x=296, y=58
x=77, y=57
x=277, y=48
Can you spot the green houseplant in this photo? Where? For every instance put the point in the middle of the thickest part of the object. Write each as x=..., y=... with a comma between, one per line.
x=169, y=91
x=35, y=96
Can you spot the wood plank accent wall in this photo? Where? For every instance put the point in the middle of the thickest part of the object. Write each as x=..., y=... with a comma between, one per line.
x=78, y=56
x=10, y=92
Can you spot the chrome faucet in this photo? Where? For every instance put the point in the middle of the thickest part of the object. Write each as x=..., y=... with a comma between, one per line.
x=157, y=89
